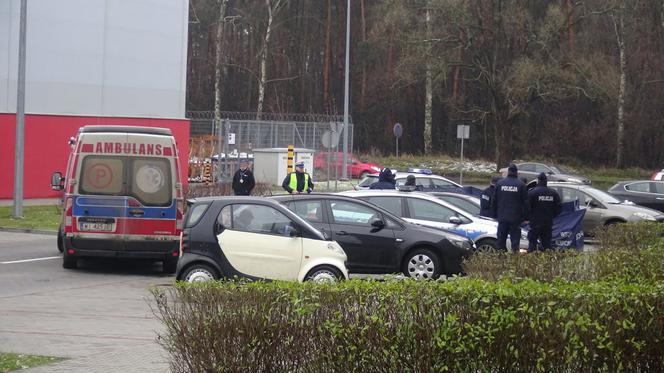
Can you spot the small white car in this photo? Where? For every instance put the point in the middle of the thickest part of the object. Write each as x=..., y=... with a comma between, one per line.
x=424, y=179
x=255, y=238
x=427, y=210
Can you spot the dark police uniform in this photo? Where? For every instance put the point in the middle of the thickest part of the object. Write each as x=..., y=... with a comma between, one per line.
x=243, y=182
x=485, y=201
x=385, y=180
x=510, y=207
x=545, y=205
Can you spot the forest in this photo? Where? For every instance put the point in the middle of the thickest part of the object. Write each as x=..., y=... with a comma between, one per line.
x=570, y=80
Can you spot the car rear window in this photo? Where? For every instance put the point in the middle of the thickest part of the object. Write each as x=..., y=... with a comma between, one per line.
x=102, y=175
x=195, y=214
x=367, y=181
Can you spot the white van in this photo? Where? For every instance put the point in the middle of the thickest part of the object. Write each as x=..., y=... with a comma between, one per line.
x=122, y=196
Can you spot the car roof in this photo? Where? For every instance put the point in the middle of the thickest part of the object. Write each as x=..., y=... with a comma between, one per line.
x=390, y=192
x=234, y=199
x=127, y=129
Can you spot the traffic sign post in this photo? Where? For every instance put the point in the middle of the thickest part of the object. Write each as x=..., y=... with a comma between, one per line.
x=463, y=132
x=398, y=131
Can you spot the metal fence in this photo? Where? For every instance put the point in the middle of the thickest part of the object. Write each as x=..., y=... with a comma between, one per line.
x=238, y=133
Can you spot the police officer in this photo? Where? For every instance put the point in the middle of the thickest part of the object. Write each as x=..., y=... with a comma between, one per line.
x=243, y=180
x=486, y=197
x=299, y=181
x=411, y=184
x=544, y=203
x=510, y=207
x=385, y=180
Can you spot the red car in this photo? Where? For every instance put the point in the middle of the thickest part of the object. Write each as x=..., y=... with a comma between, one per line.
x=358, y=169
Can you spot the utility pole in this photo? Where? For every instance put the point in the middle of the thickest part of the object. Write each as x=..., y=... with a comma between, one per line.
x=344, y=172
x=20, y=116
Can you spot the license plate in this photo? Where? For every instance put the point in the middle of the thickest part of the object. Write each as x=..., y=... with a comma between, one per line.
x=108, y=227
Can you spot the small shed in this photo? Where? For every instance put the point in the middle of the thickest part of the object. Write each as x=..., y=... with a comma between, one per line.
x=271, y=164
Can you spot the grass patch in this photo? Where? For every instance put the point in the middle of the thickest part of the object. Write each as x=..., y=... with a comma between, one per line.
x=10, y=362
x=35, y=217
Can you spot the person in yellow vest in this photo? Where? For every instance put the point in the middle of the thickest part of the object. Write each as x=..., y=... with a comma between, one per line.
x=299, y=181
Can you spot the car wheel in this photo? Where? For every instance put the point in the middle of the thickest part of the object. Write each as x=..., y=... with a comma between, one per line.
x=324, y=275
x=170, y=265
x=422, y=264
x=68, y=262
x=61, y=243
x=487, y=244
x=200, y=272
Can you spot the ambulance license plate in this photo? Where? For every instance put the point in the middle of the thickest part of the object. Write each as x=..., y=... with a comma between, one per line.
x=96, y=224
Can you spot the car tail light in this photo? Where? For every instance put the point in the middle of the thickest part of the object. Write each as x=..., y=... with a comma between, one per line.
x=68, y=214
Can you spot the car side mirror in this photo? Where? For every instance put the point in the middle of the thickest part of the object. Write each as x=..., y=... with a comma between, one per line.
x=57, y=181
x=455, y=220
x=293, y=231
x=377, y=225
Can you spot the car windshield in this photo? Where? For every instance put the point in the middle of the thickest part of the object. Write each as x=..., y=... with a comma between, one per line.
x=560, y=170
x=368, y=180
x=602, y=196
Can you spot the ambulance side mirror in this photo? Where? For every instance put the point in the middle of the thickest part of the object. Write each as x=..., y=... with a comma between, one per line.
x=57, y=181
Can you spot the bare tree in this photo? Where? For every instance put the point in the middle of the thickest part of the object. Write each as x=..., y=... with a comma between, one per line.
x=273, y=7
x=217, y=60
x=619, y=26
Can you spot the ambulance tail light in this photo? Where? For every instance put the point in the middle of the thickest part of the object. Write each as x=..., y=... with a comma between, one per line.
x=68, y=214
x=179, y=216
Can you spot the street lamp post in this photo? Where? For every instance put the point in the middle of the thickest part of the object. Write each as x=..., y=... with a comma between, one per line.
x=344, y=172
x=20, y=116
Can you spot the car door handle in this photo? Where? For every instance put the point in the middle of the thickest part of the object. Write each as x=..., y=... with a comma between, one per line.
x=136, y=212
x=342, y=233
x=660, y=198
x=399, y=239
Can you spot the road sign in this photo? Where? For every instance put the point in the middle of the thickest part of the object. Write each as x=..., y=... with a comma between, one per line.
x=330, y=139
x=398, y=130
x=463, y=132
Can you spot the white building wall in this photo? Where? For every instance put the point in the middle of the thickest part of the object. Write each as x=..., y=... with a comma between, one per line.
x=123, y=58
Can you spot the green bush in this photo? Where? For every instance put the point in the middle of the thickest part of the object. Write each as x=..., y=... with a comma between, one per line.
x=465, y=325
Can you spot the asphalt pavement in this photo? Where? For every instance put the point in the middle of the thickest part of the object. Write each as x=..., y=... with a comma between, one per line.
x=98, y=317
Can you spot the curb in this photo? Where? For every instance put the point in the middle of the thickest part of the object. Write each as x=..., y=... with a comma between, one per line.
x=29, y=230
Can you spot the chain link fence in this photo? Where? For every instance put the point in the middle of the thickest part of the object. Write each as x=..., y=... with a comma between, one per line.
x=224, y=144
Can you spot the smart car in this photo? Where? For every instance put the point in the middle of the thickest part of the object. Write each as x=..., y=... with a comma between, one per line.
x=254, y=238
x=377, y=241
x=430, y=211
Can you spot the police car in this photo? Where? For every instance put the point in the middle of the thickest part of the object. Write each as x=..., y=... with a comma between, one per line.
x=428, y=210
x=424, y=178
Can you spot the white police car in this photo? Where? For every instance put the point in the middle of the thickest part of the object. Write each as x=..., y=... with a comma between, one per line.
x=427, y=210
x=424, y=178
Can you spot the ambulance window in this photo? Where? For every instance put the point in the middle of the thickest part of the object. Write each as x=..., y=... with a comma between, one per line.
x=151, y=181
x=102, y=175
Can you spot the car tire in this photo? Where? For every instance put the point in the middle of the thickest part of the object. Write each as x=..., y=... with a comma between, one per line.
x=61, y=243
x=324, y=274
x=170, y=266
x=487, y=244
x=199, y=272
x=68, y=262
x=422, y=264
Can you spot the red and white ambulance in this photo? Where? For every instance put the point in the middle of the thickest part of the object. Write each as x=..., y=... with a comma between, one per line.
x=122, y=196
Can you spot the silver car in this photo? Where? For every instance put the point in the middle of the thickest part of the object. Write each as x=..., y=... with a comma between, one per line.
x=426, y=180
x=603, y=209
x=530, y=170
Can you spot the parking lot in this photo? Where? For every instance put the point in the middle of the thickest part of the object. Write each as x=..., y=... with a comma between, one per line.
x=98, y=317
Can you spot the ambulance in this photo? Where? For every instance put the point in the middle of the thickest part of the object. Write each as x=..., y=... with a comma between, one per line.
x=122, y=196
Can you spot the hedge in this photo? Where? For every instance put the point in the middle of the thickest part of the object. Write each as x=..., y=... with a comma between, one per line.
x=465, y=325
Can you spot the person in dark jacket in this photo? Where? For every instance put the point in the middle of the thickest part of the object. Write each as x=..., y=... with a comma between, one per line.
x=544, y=204
x=299, y=181
x=385, y=180
x=410, y=182
x=510, y=207
x=243, y=180
x=486, y=197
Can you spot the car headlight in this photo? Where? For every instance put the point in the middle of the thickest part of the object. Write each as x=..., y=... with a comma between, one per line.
x=460, y=242
x=333, y=246
x=643, y=215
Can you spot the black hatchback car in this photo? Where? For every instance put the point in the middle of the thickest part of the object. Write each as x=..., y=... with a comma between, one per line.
x=376, y=241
